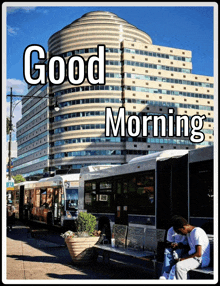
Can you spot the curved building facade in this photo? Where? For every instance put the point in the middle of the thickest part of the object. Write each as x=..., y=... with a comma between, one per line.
x=143, y=78
x=79, y=127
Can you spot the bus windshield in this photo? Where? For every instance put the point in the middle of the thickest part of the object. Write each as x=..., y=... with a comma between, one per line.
x=71, y=199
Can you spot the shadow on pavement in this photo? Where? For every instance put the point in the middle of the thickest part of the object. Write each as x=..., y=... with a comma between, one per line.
x=53, y=245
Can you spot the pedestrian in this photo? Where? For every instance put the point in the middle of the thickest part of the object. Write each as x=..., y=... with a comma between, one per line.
x=10, y=215
x=176, y=246
x=199, y=253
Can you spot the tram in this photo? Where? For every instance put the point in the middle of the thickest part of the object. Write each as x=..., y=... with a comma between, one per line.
x=150, y=189
x=53, y=200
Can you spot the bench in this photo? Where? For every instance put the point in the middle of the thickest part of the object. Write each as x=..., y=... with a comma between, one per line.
x=145, y=247
x=133, y=245
x=206, y=272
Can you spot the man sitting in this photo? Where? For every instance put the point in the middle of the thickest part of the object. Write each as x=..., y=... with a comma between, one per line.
x=199, y=254
x=175, y=242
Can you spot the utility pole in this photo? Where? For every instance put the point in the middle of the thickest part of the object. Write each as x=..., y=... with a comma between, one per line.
x=10, y=132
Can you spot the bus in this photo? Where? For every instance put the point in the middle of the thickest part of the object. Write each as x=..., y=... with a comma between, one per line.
x=53, y=200
x=147, y=191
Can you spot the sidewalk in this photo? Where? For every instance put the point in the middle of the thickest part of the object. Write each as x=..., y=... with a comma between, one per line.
x=30, y=258
x=46, y=258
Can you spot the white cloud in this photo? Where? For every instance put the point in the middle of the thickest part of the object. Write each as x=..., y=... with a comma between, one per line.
x=12, y=31
x=18, y=86
x=14, y=9
x=16, y=107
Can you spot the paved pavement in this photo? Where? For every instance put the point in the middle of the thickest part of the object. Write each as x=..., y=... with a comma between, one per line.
x=46, y=258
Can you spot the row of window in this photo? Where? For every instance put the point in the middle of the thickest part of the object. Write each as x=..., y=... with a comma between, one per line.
x=85, y=140
x=31, y=163
x=153, y=66
x=88, y=50
x=89, y=100
x=81, y=114
x=88, y=88
x=163, y=91
x=208, y=119
x=32, y=140
x=99, y=113
x=30, y=87
x=132, y=88
x=170, y=104
x=28, y=122
x=77, y=127
x=158, y=55
x=169, y=80
x=126, y=50
x=107, y=75
x=88, y=153
x=121, y=139
x=44, y=146
x=34, y=173
x=42, y=103
x=27, y=133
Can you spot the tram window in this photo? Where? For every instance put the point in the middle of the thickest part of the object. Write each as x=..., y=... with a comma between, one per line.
x=32, y=197
x=50, y=197
x=43, y=196
x=26, y=196
x=201, y=189
x=37, y=199
x=17, y=197
x=72, y=199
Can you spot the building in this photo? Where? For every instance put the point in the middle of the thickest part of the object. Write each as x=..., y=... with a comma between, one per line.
x=143, y=78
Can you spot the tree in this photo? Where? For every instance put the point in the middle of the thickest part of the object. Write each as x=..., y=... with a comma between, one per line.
x=18, y=179
x=7, y=125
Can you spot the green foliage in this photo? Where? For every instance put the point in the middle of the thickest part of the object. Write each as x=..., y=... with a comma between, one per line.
x=86, y=222
x=18, y=179
x=7, y=125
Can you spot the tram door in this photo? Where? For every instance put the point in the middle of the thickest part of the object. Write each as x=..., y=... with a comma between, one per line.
x=21, y=203
x=56, y=204
x=121, y=211
x=172, y=190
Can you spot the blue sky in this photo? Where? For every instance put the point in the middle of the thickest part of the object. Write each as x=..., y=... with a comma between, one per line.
x=189, y=28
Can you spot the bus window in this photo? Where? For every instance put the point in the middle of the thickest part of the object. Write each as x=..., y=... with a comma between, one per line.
x=146, y=194
x=90, y=196
x=201, y=189
x=99, y=196
x=71, y=199
x=141, y=193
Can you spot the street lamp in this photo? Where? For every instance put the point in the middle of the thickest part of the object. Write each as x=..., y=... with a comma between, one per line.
x=56, y=108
